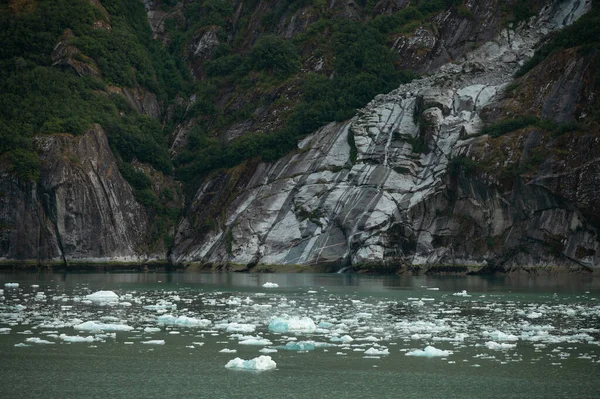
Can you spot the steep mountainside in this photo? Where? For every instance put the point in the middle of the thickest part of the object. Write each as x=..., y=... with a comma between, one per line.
x=112, y=112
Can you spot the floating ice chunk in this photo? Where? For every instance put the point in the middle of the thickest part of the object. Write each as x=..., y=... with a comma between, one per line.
x=225, y=350
x=161, y=306
x=377, y=352
x=500, y=336
x=11, y=285
x=36, y=340
x=154, y=342
x=429, y=351
x=462, y=293
x=268, y=350
x=270, y=285
x=257, y=364
x=35, y=286
x=21, y=345
x=5, y=330
x=534, y=315
x=370, y=338
x=182, y=321
x=499, y=346
x=245, y=328
x=75, y=338
x=256, y=341
x=299, y=346
x=151, y=329
x=343, y=339
x=287, y=323
x=433, y=289
x=93, y=326
x=103, y=296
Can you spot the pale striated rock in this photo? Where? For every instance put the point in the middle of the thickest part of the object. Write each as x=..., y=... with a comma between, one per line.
x=380, y=189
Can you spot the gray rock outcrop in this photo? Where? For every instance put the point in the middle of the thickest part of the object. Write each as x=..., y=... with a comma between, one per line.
x=382, y=188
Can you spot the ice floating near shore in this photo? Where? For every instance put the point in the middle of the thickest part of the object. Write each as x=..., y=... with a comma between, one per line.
x=462, y=293
x=270, y=285
x=429, y=351
x=285, y=324
x=256, y=341
x=93, y=326
x=154, y=342
x=377, y=352
x=182, y=321
x=11, y=285
x=343, y=339
x=499, y=346
x=500, y=336
x=260, y=363
x=244, y=328
x=36, y=340
x=76, y=338
x=103, y=296
x=298, y=346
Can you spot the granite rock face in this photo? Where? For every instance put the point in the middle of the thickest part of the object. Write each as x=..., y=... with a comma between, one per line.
x=385, y=187
x=82, y=209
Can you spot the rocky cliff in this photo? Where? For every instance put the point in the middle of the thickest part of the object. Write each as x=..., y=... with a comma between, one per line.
x=396, y=185
x=81, y=210
x=465, y=166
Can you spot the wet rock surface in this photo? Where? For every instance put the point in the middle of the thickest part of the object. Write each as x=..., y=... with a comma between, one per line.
x=382, y=188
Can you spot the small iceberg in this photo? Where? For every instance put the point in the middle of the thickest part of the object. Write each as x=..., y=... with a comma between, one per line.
x=377, y=352
x=285, y=324
x=298, y=346
x=429, y=351
x=499, y=346
x=154, y=342
x=270, y=285
x=102, y=296
x=11, y=285
x=36, y=340
x=225, y=350
x=75, y=338
x=182, y=321
x=256, y=341
x=257, y=364
x=462, y=293
x=93, y=326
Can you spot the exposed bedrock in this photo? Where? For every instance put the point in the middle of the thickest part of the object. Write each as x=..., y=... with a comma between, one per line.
x=385, y=187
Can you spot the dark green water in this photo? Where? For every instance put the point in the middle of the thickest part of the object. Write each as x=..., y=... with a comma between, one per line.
x=553, y=323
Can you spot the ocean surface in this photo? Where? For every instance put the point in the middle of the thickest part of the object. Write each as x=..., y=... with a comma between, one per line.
x=171, y=335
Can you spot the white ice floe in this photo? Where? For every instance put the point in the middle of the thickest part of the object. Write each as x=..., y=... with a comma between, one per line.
x=343, y=339
x=151, y=329
x=429, y=351
x=11, y=285
x=499, y=346
x=154, y=342
x=103, y=296
x=36, y=340
x=257, y=364
x=285, y=324
x=299, y=346
x=268, y=350
x=5, y=330
x=237, y=327
x=377, y=352
x=225, y=350
x=182, y=321
x=270, y=285
x=462, y=293
x=76, y=338
x=94, y=326
x=500, y=336
x=256, y=341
